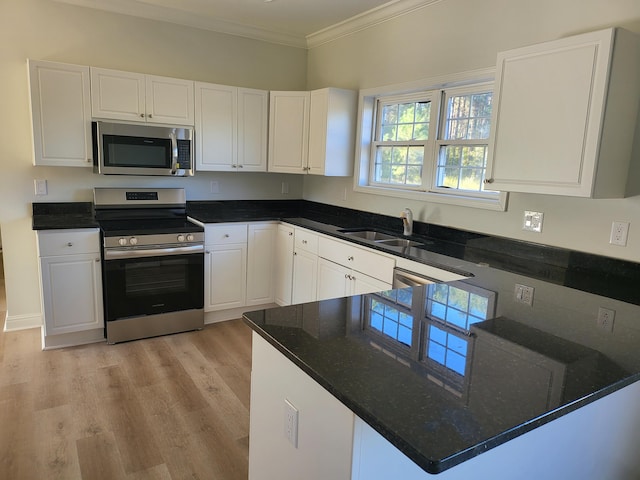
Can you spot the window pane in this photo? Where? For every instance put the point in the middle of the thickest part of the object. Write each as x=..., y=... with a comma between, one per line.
x=452, y=162
x=389, y=133
x=390, y=115
x=468, y=117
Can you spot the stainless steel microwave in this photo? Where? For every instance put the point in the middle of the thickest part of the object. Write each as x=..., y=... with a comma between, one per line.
x=130, y=149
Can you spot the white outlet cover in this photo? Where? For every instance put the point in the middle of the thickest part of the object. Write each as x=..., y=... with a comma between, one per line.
x=532, y=221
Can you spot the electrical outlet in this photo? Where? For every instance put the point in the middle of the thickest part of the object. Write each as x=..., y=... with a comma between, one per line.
x=40, y=187
x=605, y=319
x=291, y=423
x=619, y=232
x=533, y=221
x=215, y=188
x=285, y=188
x=523, y=294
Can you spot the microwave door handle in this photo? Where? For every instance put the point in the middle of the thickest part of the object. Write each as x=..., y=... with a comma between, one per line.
x=174, y=153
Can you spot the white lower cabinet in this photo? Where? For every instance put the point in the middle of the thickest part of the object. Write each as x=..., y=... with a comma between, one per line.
x=305, y=273
x=239, y=265
x=345, y=269
x=283, y=269
x=71, y=287
x=305, y=266
x=260, y=265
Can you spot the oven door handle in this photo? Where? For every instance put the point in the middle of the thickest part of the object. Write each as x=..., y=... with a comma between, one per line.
x=118, y=254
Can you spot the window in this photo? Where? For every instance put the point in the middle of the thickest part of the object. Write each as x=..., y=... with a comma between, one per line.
x=403, y=134
x=463, y=143
x=430, y=144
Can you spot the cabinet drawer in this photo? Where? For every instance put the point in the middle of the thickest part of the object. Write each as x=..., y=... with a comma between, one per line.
x=306, y=240
x=68, y=242
x=363, y=260
x=225, y=233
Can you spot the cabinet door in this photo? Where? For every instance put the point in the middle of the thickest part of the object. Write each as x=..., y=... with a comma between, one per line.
x=260, y=263
x=332, y=124
x=283, y=269
x=225, y=270
x=305, y=273
x=169, y=100
x=117, y=95
x=60, y=114
x=71, y=293
x=216, y=132
x=288, y=132
x=549, y=123
x=334, y=281
x=361, y=284
x=253, y=118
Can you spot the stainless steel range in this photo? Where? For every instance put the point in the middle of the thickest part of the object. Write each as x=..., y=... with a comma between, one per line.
x=153, y=263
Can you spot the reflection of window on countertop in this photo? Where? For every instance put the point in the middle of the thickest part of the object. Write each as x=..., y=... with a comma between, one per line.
x=450, y=311
x=428, y=328
x=390, y=315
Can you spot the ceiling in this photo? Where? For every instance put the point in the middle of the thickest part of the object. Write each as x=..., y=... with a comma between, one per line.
x=300, y=23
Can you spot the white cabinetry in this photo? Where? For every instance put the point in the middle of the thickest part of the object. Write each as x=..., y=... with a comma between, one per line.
x=225, y=267
x=305, y=266
x=239, y=266
x=564, y=115
x=325, y=426
x=60, y=114
x=283, y=270
x=141, y=98
x=260, y=266
x=71, y=286
x=345, y=269
x=231, y=128
x=312, y=132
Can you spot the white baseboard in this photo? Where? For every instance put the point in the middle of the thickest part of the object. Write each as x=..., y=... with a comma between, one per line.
x=13, y=323
x=72, y=339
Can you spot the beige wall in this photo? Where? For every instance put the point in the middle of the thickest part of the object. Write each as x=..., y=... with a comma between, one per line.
x=459, y=35
x=47, y=30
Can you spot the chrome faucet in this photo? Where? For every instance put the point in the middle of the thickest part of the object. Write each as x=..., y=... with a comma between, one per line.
x=407, y=221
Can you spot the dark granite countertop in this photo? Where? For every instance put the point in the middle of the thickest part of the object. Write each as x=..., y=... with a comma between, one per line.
x=63, y=215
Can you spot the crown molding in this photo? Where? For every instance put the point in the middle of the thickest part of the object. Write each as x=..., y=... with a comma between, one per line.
x=164, y=14
x=375, y=16
x=139, y=8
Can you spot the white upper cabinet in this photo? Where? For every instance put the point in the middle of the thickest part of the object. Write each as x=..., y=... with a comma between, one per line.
x=231, y=128
x=288, y=132
x=312, y=132
x=564, y=116
x=60, y=114
x=136, y=97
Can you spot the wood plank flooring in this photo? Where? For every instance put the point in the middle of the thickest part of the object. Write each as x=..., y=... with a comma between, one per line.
x=173, y=407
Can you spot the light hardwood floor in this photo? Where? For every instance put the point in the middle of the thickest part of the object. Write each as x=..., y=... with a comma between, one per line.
x=173, y=407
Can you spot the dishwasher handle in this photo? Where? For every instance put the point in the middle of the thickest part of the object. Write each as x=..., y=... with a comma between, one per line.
x=404, y=278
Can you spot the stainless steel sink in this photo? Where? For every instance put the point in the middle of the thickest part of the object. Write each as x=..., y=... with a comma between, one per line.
x=398, y=242
x=371, y=235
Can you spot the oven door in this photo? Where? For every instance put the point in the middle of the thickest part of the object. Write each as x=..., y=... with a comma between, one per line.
x=153, y=283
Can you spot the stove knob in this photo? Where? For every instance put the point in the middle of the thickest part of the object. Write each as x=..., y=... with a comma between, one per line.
x=122, y=241
x=181, y=238
x=190, y=237
x=133, y=241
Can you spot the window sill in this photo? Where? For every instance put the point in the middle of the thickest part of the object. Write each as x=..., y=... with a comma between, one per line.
x=498, y=203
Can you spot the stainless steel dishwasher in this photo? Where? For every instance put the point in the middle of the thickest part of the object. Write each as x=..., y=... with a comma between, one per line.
x=404, y=278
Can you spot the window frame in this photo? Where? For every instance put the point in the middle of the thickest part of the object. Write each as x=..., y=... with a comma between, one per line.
x=429, y=144
x=366, y=131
